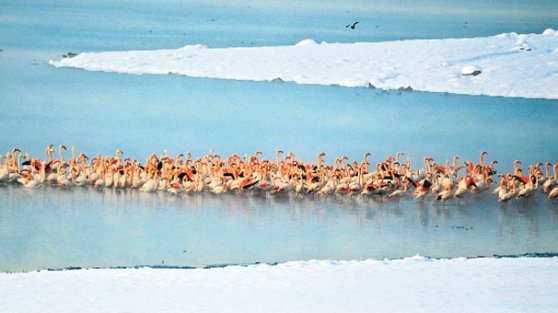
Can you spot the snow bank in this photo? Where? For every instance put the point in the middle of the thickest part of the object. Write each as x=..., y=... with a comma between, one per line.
x=410, y=285
x=512, y=65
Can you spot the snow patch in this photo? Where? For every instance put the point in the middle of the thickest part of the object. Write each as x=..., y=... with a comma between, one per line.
x=518, y=64
x=415, y=284
x=306, y=42
x=548, y=32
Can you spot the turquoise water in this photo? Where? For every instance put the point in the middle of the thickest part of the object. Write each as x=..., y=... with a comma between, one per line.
x=52, y=228
x=100, y=112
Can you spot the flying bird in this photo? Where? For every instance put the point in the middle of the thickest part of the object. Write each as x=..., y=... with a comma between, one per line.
x=352, y=26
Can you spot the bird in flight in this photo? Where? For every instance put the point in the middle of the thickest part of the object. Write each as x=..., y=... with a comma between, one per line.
x=352, y=26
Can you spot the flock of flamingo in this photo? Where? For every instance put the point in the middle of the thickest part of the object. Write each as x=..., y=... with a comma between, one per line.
x=391, y=178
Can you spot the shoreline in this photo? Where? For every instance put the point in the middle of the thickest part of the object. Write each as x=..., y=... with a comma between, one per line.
x=529, y=255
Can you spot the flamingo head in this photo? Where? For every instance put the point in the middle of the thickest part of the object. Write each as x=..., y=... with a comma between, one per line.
x=63, y=147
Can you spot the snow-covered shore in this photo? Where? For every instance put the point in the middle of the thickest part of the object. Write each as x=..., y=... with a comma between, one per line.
x=509, y=65
x=414, y=284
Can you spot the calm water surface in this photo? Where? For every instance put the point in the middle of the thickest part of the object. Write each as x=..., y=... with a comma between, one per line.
x=100, y=112
x=52, y=228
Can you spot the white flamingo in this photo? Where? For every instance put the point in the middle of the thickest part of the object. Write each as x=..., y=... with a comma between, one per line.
x=551, y=182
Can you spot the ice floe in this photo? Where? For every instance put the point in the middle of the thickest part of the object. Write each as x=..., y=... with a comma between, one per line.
x=513, y=65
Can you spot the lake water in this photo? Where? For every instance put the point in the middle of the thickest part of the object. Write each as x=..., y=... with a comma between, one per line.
x=52, y=228
x=100, y=112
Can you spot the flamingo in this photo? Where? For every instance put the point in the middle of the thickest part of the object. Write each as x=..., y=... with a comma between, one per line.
x=298, y=184
x=62, y=179
x=421, y=188
x=263, y=182
x=342, y=187
x=150, y=185
x=328, y=188
x=500, y=186
x=355, y=183
x=276, y=176
x=27, y=180
x=281, y=186
x=175, y=186
x=100, y=182
x=436, y=185
x=481, y=158
x=445, y=195
x=314, y=185
x=401, y=192
x=219, y=189
x=525, y=191
x=81, y=179
x=13, y=161
x=543, y=179
x=119, y=179
x=505, y=195
x=4, y=172
x=62, y=147
x=117, y=154
x=463, y=186
x=320, y=159
x=551, y=182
